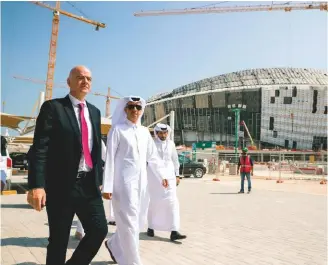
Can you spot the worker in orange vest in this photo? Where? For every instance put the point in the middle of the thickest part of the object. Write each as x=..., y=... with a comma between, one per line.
x=245, y=165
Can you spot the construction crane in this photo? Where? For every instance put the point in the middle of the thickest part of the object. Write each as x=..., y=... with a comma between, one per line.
x=322, y=6
x=54, y=37
x=62, y=85
x=253, y=146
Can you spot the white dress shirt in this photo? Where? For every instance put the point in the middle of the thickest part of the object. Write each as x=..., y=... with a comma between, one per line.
x=75, y=102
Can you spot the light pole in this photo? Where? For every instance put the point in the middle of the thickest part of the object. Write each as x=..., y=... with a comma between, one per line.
x=229, y=128
x=236, y=109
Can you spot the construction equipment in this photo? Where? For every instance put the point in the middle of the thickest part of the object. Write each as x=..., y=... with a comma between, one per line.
x=253, y=146
x=54, y=37
x=63, y=85
x=322, y=6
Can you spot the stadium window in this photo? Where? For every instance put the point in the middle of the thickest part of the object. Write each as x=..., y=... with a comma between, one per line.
x=315, y=98
x=277, y=93
x=294, y=91
x=294, y=144
x=288, y=100
x=275, y=134
x=271, y=125
x=286, y=143
x=272, y=100
x=325, y=110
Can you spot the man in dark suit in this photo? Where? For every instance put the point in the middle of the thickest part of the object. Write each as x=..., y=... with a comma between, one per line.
x=65, y=171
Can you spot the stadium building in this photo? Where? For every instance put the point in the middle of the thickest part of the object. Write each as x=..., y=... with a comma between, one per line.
x=285, y=107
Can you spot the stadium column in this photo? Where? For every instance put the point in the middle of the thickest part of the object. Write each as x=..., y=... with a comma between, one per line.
x=179, y=124
x=196, y=115
x=212, y=120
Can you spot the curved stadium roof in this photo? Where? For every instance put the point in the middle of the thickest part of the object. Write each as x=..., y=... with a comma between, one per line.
x=250, y=78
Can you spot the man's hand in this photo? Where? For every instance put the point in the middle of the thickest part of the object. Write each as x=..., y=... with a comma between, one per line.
x=165, y=183
x=252, y=173
x=37, y=198
x=237, y=172
x=100, y=187
x=178, y=180
x=107, y=196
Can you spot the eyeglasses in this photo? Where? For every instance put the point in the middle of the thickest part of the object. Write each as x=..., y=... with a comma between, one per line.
x=131, y=107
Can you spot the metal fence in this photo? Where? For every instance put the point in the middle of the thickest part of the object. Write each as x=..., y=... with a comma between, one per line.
x=280, y=165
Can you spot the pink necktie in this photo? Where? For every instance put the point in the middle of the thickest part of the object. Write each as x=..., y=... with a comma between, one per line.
x=85, y=138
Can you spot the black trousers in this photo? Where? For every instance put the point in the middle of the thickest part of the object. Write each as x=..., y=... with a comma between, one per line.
x=85, y=202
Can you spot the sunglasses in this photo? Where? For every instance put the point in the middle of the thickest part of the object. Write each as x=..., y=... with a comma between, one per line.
x=131, y=107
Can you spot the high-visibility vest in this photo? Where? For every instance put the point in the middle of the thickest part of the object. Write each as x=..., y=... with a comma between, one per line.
x=245, y=164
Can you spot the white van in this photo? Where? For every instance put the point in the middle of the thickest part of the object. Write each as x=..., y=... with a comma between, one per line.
x=6, y=165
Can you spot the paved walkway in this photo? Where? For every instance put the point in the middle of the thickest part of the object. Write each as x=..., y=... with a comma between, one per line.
x=275, y=224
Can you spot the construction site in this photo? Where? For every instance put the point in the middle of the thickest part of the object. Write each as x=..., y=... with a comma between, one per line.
x=280, y=114
x=276, y=114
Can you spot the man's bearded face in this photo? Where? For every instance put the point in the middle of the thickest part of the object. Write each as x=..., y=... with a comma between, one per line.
x=162, y=135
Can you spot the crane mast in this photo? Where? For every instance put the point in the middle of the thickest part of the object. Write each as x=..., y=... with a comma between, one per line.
x=52, y=53
x=107, y=113
x=249, y=135
x=53, y=40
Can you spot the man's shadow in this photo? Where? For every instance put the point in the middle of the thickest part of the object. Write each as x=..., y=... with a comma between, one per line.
x=16, y=206
x=40, y=242
x=102, y=262
x=25, y=241
x=27, y=263
x=143, y=236
x=224, y=193
x=92, y=263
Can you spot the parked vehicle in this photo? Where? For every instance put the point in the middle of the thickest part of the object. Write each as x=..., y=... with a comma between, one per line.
x=5, y=166
x=188, y=167
x=19, y=160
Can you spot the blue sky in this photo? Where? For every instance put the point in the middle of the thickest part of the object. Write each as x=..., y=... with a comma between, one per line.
x=144, y=56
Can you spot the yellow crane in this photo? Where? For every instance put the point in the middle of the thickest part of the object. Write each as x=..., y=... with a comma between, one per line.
x=322, y=6
x=62, y=85
x=53, y=40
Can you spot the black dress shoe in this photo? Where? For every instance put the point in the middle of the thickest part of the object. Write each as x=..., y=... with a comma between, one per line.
x=150, y=232
x=112, y=223
x=110, y=252
x=176, y=236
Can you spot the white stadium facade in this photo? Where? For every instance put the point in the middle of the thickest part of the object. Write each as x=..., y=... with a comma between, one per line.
x=285, y=107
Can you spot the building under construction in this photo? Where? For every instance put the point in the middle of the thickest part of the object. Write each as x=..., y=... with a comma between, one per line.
x=285, y=107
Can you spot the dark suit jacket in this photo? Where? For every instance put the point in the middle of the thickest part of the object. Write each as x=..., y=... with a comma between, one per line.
x=56, y=152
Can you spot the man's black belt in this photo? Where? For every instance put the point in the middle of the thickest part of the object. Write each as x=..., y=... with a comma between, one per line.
x=82, y=174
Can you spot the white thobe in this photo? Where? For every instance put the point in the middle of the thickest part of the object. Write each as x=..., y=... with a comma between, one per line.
x=163, y=212
x=129, y=148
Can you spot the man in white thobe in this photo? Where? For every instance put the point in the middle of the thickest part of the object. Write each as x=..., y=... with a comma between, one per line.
x=129, y=148
x=79, y=234
x=163, y=211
